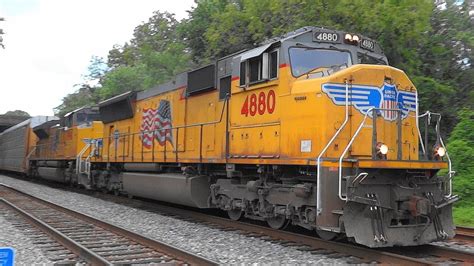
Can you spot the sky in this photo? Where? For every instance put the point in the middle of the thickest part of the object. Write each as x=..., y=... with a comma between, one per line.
x=49, y=44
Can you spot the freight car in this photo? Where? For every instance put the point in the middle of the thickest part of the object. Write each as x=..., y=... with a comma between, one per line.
x=17, y=143
x=313, y=128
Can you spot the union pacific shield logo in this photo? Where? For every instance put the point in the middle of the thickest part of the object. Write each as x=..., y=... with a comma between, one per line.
x=364, y=97
x=389, y=102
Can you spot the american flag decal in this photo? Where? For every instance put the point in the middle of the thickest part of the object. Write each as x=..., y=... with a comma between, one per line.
x=157, y=123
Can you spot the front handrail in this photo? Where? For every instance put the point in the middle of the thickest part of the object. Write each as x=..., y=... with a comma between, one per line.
x=418, y=123
x=318, y=162
x=79, y=158
x=347, y=148
x=361, y=125
x=440, y=139
x=450, y=170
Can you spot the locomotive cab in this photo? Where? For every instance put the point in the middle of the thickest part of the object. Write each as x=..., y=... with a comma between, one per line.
x=329, y=102
x=376, y=173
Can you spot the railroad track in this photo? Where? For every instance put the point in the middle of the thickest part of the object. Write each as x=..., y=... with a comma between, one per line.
x=421, y=255
x=71, y=237
x=464, y=234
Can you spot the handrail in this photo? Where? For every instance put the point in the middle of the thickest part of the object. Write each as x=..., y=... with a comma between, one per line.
x=418, y=123
x=88, y=160
x=318, y=162
x=202, y=124
x=347, y=148
x=362, y=123
x=79, y=158
x=27, y=158
x=450, y=170
x=437, y=129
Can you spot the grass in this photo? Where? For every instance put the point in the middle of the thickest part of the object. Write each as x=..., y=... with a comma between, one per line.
x=464, y=215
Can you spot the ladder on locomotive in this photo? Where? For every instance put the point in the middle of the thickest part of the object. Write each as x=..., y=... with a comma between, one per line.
x=83, y=166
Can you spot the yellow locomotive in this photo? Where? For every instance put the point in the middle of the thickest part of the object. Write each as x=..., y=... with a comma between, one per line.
x=313, y=128
x=63, y=144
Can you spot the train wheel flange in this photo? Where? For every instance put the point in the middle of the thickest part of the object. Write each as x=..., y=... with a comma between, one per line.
x=235, y=214
x=278, y=222
x=326, y=235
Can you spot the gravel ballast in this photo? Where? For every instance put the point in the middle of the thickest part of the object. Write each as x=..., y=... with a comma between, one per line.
x=26, y=253
x=225, y=247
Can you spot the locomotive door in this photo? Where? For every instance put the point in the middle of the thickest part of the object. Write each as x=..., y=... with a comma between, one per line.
x=254, y=124
x=111, y=147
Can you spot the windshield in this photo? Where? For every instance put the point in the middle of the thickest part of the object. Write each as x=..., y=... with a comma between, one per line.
x=367, y=59
x=304, y=60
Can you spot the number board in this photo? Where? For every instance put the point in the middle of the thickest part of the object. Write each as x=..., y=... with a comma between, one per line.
x=324, y=36
x=367, y=44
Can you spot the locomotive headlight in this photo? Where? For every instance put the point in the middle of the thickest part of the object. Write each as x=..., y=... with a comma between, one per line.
x=355, y=38
x=382, y=148
x=439, y=151
x=348, y=37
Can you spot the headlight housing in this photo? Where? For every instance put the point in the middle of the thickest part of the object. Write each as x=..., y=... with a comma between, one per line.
x=382, y=150
x=351, y=38
x=439, y=151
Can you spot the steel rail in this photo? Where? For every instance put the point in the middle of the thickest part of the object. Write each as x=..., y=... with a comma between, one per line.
x=159, y=246
x=439, y=252
x=394, y=255
x=366, y=254
x=464, y=233
x=384, y=255
x=78, y=249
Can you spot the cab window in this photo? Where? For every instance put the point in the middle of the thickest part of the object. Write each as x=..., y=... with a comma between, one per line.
x=370, y=60
x=305, y=60
x=260, y=68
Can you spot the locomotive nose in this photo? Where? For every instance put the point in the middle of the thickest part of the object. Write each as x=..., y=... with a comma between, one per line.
x=381, y=107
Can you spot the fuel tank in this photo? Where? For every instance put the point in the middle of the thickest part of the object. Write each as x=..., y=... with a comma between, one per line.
x=191, y=191
x=51, y=173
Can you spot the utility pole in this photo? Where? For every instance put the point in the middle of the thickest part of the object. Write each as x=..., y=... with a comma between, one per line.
x=1, y=33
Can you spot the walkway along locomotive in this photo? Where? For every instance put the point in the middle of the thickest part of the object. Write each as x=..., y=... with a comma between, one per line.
x=312, y=128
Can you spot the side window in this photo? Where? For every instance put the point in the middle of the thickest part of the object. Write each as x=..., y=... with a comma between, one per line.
x=274, y=64
x=260, y=68
x=224, y=86
x=255, y=69
x=243, y=73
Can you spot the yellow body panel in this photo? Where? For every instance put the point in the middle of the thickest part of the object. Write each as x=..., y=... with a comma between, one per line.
x=66, y=143
x=290, y=127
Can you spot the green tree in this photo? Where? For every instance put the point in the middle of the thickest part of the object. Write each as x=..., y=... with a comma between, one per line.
x=122, y=79
x=156, y=52
x=84, y=96
x=461, y=151
x=445, y=61
x=17, y=113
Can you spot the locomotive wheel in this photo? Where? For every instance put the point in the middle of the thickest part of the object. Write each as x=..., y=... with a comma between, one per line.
x=326, y=235
x=235, y=214
x=279, y=222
